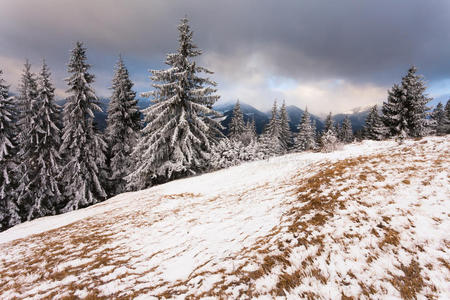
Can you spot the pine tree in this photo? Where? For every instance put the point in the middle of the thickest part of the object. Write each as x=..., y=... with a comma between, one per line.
x=229, y=153
x=394, y=112
x=415, y=103
x=447, y=113
x=316, y=133
x=179, y=132
x=339, y=132
x=122, y=131
x=329, y=124
x=285, y=131
x=270, y=141
x=439, y=119
x=329, y=141
x=82, y=147
x=329, y=135
x=347, y=131
x=38, y=191
x=24, y=101
x=268, y=146
x=273, y=127
x=237, y=126
x=9, y=210
x=374, y=128
x=405, y=112
x=306, y=137
x=249, y=135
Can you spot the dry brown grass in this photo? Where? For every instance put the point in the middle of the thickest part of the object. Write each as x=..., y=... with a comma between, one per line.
x=411, y=283
x=310, y=212
x=391, y=237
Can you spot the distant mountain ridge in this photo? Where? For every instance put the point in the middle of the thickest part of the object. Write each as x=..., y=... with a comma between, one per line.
x=357, y=118
x=249, y=112
x=295, y=114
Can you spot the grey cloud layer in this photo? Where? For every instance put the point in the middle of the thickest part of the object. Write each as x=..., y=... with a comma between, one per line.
x=361, y=42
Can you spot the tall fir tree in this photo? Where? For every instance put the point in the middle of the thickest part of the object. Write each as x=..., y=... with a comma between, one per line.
x=273, y=127
x=439, y=119
x=347, y=131
x=24, y=102
x=249, y=135
x=122, y=130
x=405, y=111
x=329, y=124
x=9, y=210
x=270, y=140
x=447, y=113
x=316, y=133
x=180, y=130
x=306, y=137
x=328, y=141
x=339, y=132
x=416, y=103
x=38, y=191
x=374, y=128
x=237, y=126
x=394, y=112
x=285, y=130
x=82, y=148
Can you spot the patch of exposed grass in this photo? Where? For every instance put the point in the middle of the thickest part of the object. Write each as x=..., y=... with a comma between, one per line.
x=411, y=283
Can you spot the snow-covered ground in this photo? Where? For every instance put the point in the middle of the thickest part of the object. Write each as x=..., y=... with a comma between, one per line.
x=369, y=221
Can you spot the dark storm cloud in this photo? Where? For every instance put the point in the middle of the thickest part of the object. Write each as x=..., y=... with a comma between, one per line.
x=361, y=46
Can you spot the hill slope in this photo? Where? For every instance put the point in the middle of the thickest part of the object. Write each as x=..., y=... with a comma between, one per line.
x=370, y=220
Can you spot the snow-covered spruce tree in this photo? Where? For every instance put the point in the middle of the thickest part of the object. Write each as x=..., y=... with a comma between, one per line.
x=237, y=126
x=374, y=128
x=269, y=141
x=38, y=191
x=329, y=141
x=24, y=101
x=405, y=112
x=347, y=131
x=447, y=113
x=316, y=133
x=329, y=124
x=439, y=119
x=249, y=135
x=285, y=130
x=306, y=137
x=339, y=133
x=415, y=103
x=177, y=138
x=273, y=127
x=394, y=112
x=229, y=153
x=268, y=146
x=122, y=130
x=82, y=148
x=9, y=210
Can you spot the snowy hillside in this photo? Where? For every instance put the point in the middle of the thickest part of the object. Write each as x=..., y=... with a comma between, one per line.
x=369, y=221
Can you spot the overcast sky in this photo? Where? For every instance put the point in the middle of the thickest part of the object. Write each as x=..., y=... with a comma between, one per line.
x=327, y=55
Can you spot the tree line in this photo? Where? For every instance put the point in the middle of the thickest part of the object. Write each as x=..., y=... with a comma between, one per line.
x=55, y=159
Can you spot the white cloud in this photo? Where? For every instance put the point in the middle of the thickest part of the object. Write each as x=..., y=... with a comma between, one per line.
x=253, y=82
x=335, y=95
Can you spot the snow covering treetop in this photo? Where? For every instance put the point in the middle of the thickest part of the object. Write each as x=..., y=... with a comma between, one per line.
x=123, y=125
x=7, y=128
x=177, y=138
x=82, y=147
x=237, y=126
